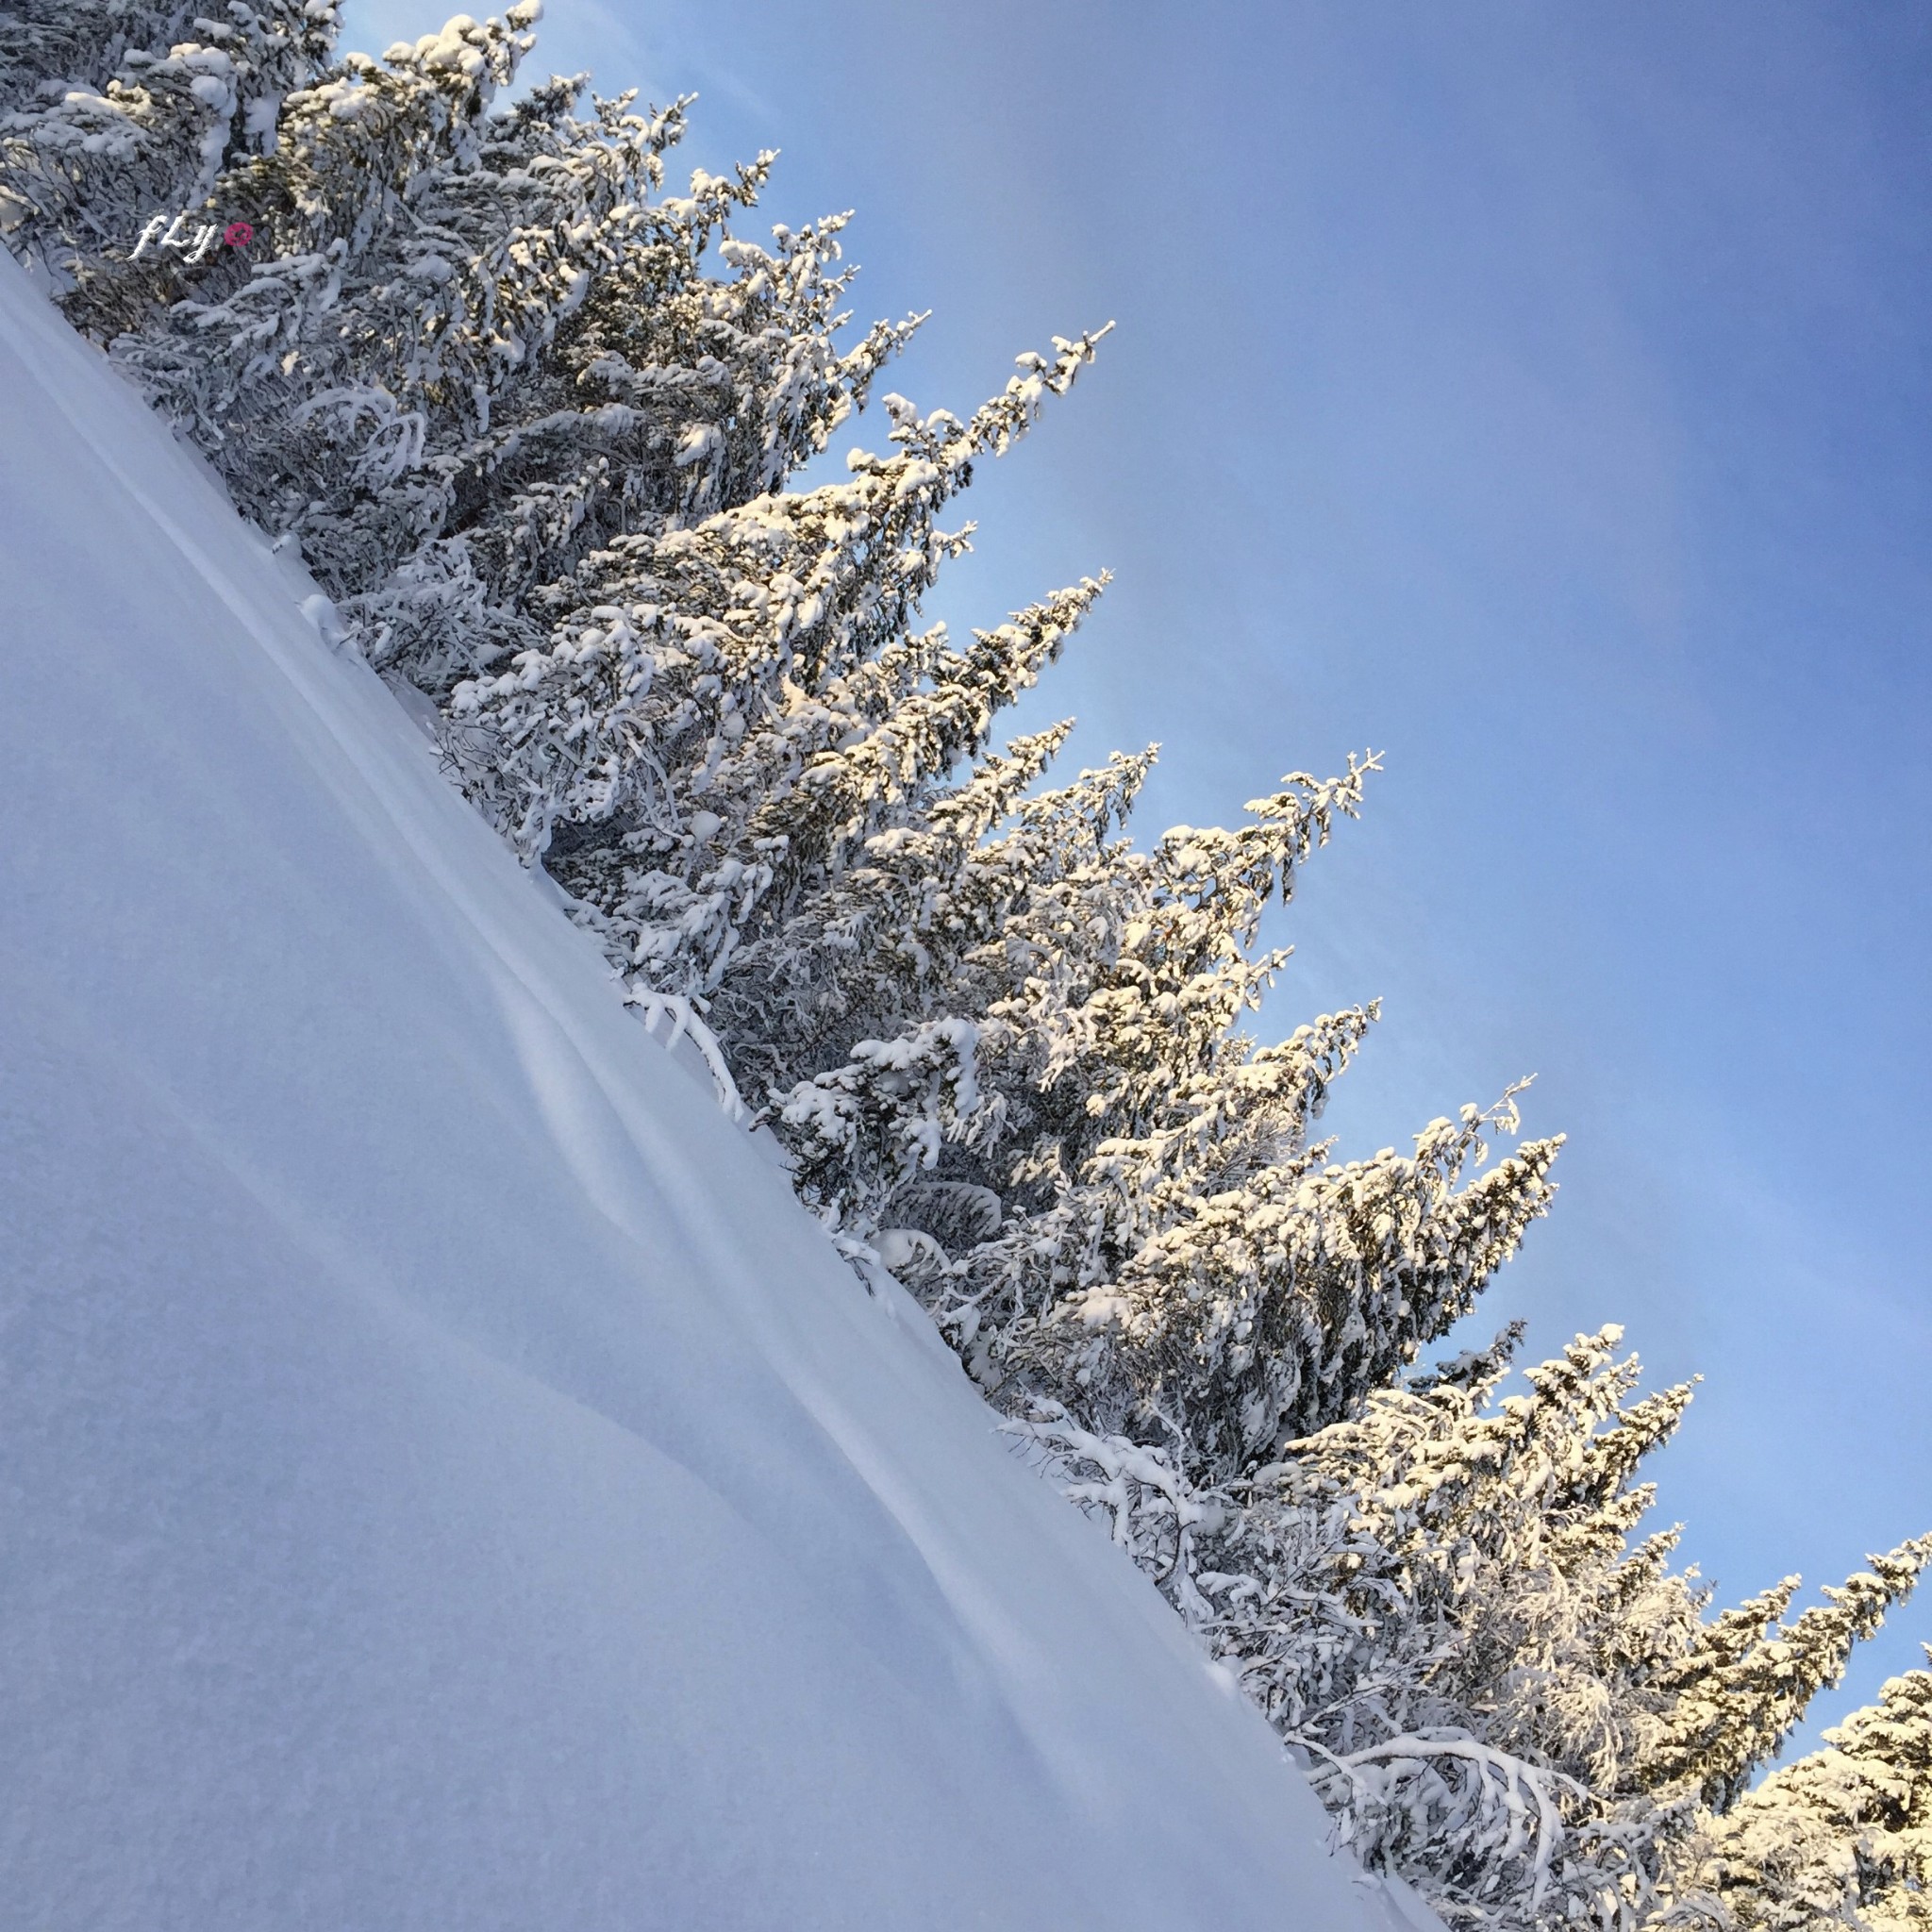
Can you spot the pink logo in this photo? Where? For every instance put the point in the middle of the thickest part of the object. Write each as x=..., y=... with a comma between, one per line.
x=196, y=245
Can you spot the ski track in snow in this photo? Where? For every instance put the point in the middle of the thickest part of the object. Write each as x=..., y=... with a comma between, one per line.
x=446, y=1480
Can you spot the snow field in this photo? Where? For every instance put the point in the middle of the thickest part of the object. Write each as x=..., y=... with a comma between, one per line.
x=446, y=1482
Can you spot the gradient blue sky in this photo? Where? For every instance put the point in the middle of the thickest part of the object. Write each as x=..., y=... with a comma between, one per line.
x=1537, y=393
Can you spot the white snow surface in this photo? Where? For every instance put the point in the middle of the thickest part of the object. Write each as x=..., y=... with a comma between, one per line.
x=446, y=1480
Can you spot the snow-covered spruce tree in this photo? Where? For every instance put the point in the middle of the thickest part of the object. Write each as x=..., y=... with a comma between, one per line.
x=472, y=347
x=1506, y=1694
x=116, y=123
x=1170, y=1251
x=322, y=373
x=1842, y=1837
x=728, y=704
x=45, y=44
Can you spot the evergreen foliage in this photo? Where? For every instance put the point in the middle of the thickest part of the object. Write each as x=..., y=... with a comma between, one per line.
x=1842, y=1837
x=1504, y=1692
x=532, y=422
x=114, y=117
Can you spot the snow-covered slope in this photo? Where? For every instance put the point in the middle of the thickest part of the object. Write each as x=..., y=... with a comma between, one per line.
x=445, y=1482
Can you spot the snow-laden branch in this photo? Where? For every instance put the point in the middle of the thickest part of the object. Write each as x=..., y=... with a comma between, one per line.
x=684, y=1024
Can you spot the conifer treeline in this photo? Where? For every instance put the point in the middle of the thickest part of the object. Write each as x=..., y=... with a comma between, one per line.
x=531, y=422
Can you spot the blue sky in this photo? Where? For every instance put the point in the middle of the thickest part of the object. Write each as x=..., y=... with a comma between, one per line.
x=1539, y=395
